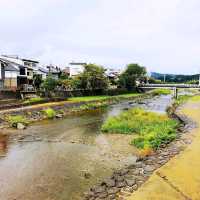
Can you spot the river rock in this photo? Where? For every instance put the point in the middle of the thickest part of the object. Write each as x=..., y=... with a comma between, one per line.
x=103, y=195
x=113, y=190
x=149, y=168
x=165, y=153
x=112, y=196
x=99, y=189
x=124, y=172
x=59, y=116
x=20, y=126
x=138, y=164
x=87, y=175
x=130, y=182
x=109, y=182
x=118, y=178
x=136, y=172
x=88, y=194
x=121, y=184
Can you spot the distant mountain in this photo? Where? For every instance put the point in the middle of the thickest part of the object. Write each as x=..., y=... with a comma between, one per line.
x=178, y=78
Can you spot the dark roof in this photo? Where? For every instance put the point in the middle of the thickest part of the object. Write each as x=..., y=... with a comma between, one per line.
x=11, y=67
x=28, y=60
x=43, y=70
x=77, y=63
x=53, y=69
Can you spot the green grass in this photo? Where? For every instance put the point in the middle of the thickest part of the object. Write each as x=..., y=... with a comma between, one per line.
x=13, y=120
x=101, y=97
x=33, y=100
x=161, y=92
x=50, y=113
x=152, y=129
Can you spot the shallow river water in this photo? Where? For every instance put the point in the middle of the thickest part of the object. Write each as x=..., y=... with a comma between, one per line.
x=61, y=159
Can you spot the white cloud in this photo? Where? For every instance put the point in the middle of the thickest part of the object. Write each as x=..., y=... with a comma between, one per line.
x=162, y=35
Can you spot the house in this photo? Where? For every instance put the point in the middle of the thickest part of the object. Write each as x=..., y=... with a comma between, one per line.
x=75, y=68
x=17, y=73
x=113, y=74
x=42, y=72
x=54, y=71
x=66, y=71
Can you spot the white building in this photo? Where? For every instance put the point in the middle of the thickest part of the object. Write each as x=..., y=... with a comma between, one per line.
x=75, y=68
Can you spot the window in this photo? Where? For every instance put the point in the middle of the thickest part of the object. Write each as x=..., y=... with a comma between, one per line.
x=22, y=71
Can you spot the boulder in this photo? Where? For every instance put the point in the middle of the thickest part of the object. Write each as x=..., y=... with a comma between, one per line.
x=20, y=126
x=59, y=116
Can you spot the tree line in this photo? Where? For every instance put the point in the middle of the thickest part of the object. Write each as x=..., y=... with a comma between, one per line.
x=94, y=77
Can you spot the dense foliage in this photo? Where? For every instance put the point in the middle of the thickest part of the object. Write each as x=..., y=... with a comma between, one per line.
x=133, y=73
x=93, y=77
x=176, y=78
x=49, y=85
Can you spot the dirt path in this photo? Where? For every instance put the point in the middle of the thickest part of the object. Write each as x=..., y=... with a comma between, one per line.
x=179, y=179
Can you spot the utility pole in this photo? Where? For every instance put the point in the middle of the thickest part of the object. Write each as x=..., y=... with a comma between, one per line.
x=164, y=77
x=199, y=79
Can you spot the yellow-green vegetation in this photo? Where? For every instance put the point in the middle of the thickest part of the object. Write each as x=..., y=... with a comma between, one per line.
x=152, y=129
x=195, y=98
x=13, y=120
x=182, y=99
x=50, y=113
x=161, y=91
x=34, y=100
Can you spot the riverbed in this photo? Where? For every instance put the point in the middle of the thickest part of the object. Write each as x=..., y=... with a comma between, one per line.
x=61, y=159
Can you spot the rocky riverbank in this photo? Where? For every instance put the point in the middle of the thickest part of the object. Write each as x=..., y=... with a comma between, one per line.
x=125, y=181
x=62, y=109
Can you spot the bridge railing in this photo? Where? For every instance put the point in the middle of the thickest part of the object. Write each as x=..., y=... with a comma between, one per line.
x=170, y=85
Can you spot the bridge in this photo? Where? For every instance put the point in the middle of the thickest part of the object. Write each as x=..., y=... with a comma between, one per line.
x=175, y=87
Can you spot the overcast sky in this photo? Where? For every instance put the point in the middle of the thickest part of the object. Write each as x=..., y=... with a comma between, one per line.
x=163, y=35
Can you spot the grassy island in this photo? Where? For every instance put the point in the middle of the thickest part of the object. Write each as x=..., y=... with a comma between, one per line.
x=152, y=129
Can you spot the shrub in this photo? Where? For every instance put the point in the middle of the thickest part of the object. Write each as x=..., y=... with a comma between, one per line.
x=13, y=120
x=50, y=113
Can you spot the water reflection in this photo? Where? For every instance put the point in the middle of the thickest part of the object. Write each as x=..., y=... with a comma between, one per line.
x=52, y=156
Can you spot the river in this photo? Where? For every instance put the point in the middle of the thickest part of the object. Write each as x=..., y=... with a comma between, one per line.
x=60, y=159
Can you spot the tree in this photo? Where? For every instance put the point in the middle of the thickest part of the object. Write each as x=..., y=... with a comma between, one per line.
x=49, y=85
x=37, y=80
x=133, y=73
x=93, y=77
x=69, y=83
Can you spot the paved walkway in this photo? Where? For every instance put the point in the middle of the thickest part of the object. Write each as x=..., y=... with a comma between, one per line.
x=179, y=179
